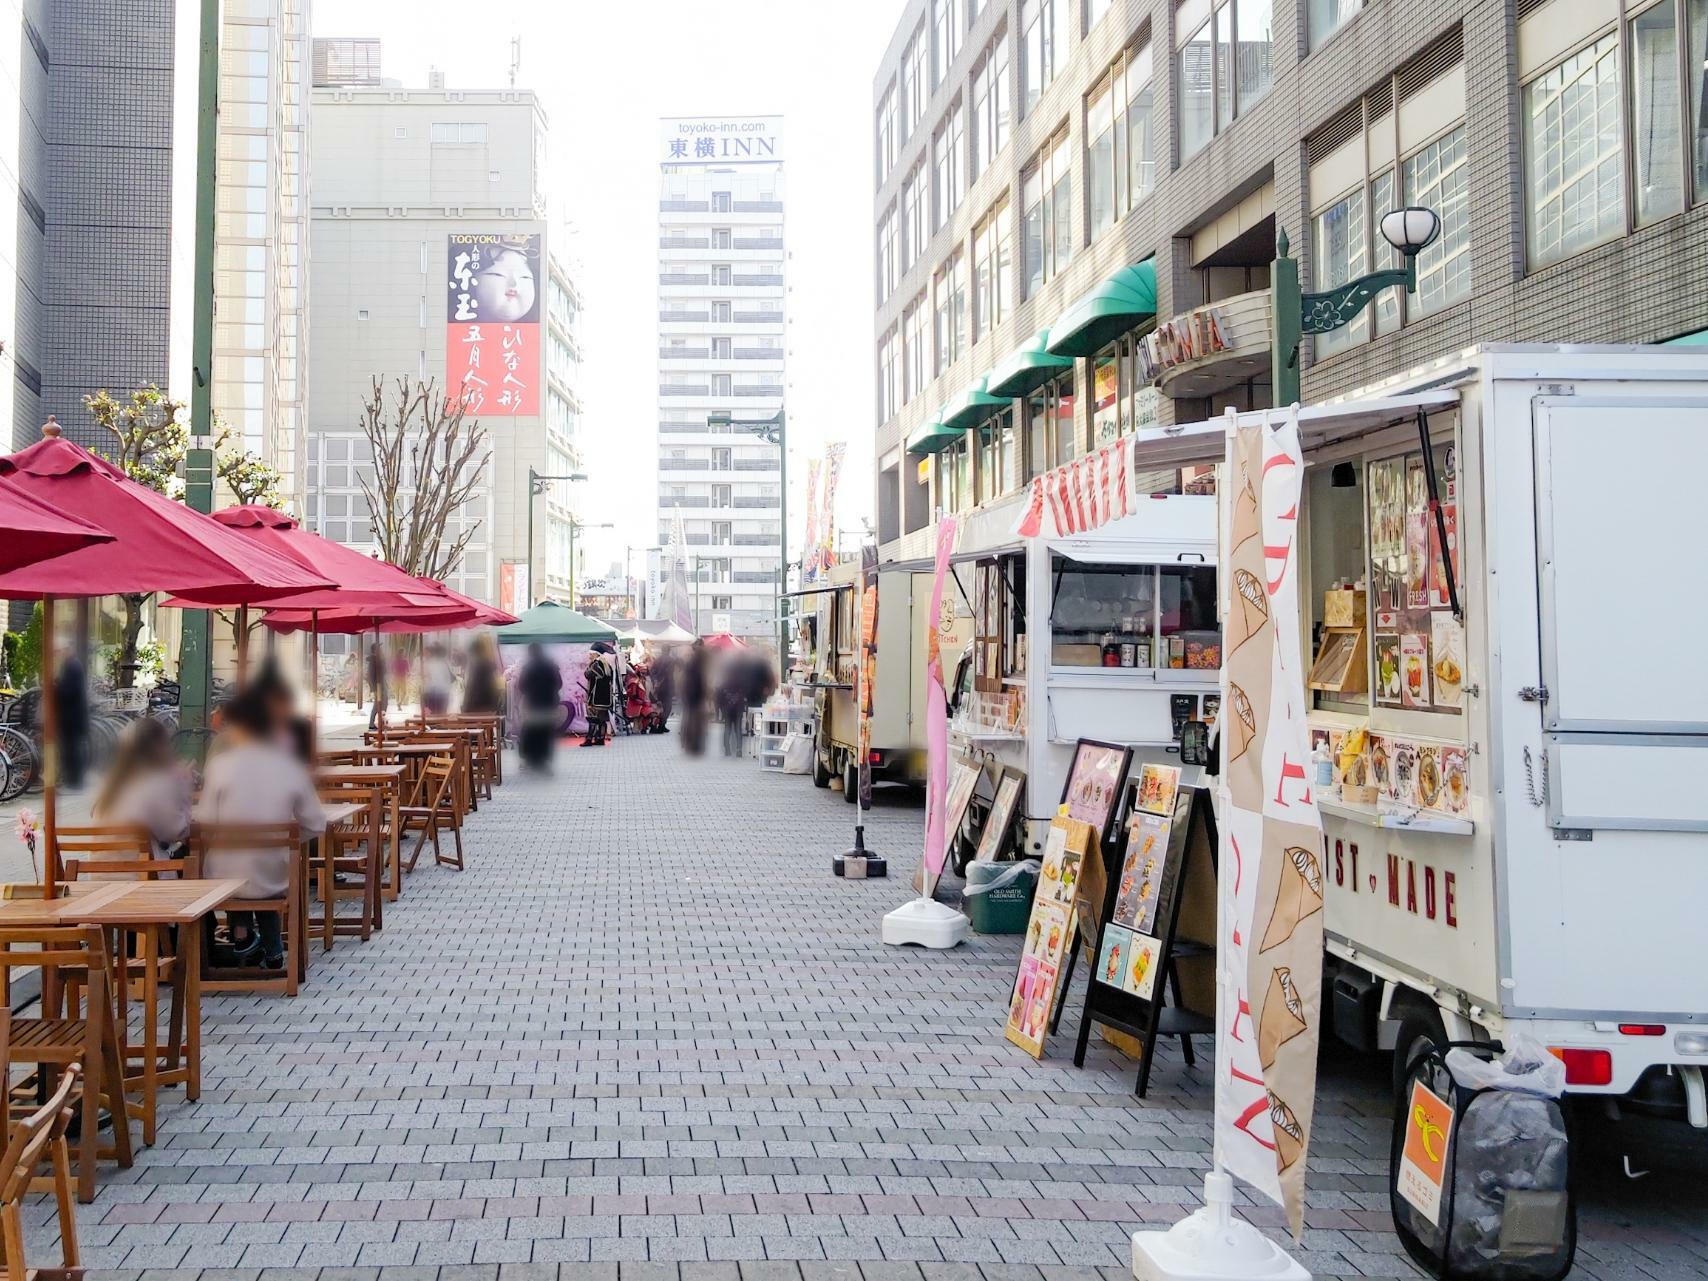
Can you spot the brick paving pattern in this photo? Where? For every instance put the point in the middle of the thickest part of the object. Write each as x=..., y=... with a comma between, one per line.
x=647, y=1035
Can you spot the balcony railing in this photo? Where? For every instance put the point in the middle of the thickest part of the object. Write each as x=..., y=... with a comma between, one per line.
x=684, y=317
x=757, y=317
x=686, y=389
x=755, y=464
x=684, y=464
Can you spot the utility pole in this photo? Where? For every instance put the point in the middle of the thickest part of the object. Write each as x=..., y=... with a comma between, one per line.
x=195, y=668
x=537, y=485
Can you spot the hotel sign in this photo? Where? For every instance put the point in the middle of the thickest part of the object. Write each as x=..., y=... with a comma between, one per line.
x=718, y=141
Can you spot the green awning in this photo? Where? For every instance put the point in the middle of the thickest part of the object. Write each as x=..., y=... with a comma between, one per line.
x=1124, y=301
x=553, y=624
x=1027, y=369
x=971, y=407
x=1697, y=339
x=932, y=438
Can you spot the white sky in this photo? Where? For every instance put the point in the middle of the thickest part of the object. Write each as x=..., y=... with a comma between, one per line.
x=606, y=73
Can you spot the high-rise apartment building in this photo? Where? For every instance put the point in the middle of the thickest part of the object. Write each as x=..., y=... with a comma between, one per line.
x=721, y=265
x=433, y=260
x=1056, y=178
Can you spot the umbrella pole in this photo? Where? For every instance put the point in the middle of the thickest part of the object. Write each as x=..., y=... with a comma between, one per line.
x=242, y=645
x=313, y=683
x=50, y=756
x=361, y=668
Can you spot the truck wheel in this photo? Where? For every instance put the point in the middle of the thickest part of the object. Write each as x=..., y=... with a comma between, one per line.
x=820, y=770
x=850, y=781
x=1420, y=1027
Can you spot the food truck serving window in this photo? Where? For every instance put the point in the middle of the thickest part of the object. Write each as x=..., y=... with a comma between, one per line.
x=1136, y=616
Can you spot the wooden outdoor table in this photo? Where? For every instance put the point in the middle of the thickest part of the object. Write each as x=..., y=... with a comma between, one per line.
x=390, y=778
x=148, y=909
x=41, y=913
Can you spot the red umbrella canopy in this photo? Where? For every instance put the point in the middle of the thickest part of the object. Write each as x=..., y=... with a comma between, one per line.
x=30, y=530
x=406, y=611
x=354, y=579
x=158, y=545
x=484, y=615
x=723, y=640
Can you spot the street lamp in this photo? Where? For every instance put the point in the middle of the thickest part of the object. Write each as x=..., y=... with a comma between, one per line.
x=1410, y=230
x=574, y=525
x=774, y=431
x=537, y=485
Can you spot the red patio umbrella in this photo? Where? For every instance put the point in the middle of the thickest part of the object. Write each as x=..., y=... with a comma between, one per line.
x=158, y=546
x=723, y=640
x=30, y=530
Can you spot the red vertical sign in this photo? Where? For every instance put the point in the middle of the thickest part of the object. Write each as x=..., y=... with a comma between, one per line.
x=492, y=321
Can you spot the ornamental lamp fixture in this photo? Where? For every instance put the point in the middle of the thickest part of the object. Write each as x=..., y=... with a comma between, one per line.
x=1411, y=230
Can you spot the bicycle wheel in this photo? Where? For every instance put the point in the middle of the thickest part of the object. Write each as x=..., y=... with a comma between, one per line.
x=22, y=762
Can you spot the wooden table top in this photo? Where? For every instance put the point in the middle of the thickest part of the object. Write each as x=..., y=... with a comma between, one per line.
x=180, y=902
x=340, y=811
x=423, y=748
x=359, y=773
x=35, y=913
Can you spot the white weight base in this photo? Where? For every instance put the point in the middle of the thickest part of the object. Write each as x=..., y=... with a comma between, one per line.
x=1211, y=1245
x=927, y=923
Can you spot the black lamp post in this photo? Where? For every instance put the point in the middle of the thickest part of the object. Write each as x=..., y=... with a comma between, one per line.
x=537, y=485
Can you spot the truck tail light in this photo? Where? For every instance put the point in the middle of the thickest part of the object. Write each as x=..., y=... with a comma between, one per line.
x=1642, y=1029
x=874, y=758
x=1585, y=1067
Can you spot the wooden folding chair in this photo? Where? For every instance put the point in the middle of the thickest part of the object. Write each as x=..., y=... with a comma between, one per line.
x=352, y=852
x=54, y=1043
x=292, y=906
x=35, y=1139
x=439, y=810
x=121, y=841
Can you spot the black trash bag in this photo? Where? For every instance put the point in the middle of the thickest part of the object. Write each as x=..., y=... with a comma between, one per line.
x=1480, y=1179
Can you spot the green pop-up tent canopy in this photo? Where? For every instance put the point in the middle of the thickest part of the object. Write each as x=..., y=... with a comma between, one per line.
x=550, y=623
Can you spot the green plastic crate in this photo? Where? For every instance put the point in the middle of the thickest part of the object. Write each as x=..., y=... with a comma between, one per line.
x=1006, y=909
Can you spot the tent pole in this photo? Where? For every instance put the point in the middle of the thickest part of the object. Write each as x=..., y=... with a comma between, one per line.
x=314, y=685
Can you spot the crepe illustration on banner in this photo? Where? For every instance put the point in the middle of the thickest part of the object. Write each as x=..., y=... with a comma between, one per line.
x=1245, y=512
x=1242, y=725
x=1283, y=1016
x=1289, y=1134
x=1251, y=609
x=1299, y=895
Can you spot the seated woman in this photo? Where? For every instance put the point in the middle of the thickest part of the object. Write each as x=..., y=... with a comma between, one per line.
x=254, y=776
x=149, y=787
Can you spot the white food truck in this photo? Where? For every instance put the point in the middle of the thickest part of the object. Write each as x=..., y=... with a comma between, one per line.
x=1503, y=628
x=1109, y=635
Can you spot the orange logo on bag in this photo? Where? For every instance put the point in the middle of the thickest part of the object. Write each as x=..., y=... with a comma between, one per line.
x=1427, y=1126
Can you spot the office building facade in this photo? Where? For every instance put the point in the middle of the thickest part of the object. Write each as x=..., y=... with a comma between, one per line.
x=434, y=261
x=721, y=316
x=1038, y=161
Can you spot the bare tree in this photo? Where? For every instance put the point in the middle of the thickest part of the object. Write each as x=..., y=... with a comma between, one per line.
x=150, y=439
x=252, y=482
x=429, y=459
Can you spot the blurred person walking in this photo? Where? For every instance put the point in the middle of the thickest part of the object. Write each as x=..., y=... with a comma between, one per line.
x=377, y=685
x=540, y=686
x=71, y=706
x=696, y=698
x=483, y=687
x=254, y=777
x=436, y=681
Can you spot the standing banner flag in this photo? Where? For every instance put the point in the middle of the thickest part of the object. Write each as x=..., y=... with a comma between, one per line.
x=807, y=559
x=824, y=552
x=868, y=665
x=676, y=606
x=1270, y=887
x=937, y=716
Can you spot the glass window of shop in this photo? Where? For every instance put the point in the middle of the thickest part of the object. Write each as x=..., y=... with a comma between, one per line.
x=1224, y=64
x=1047, y=215
x=1120, y=168
x=1138, y=616
x=993, y=269
x=1043, y=46
x=999, y=456
x=950, y=285
x=1052, y=427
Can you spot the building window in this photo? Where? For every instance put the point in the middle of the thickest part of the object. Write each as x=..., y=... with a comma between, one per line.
x=916, y=364
x=1325, y=17
x=915, y=215
x=1122, y=399
x=955, y=477
x=948, y=24
x=1572, y=153
x=1052, y=435
x=949, y=147
x=889, y=259
x=1224, y=64
x=993, y=248
x=1046, y=216
x=1657, y=147
x=886, y=132
x=915, y=79
x=1120, y=169
x=1094, y=11
x=1438, y=178
x=1043, y=46
x=999, y=456
x=950, y=285
x=990, y=106
x=889, y=371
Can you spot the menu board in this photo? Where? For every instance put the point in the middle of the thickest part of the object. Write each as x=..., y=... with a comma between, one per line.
x=1131, y=947
x=993, y=839
x=1418, y=650
x=1070, y=850
x=1094, y=781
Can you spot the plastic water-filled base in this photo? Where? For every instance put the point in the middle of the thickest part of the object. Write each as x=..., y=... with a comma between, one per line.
x=1211, y=1245
x=925, y=923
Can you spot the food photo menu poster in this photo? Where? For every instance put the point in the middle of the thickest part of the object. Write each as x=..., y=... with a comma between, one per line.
x=1094, y=783
x=1131, y=950
x=1069, y=850
x=1418, y=644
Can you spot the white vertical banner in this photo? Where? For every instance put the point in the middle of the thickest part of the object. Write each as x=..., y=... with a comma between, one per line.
x=1269, y=890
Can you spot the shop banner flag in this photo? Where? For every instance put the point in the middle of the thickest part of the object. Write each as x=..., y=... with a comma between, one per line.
x=937, y=718
x=676, y=604
x=825, y=551
x=1083, y=495
x=868, y=665
x=1270, y=888
x=811, y=543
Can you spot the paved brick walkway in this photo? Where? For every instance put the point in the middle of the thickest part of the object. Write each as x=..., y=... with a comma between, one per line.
x=646, y=1034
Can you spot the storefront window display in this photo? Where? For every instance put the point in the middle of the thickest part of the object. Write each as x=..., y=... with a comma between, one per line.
x=1051, y=427
x=999, y=457
x=1144, y=616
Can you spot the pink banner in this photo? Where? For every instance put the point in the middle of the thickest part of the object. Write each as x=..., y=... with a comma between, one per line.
x=937, y=717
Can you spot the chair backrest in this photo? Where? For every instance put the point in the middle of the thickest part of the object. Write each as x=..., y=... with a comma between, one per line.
x=53, y=947
x=136, y=869
x=438, y=772
x=209, y=837
x=27, y=1146
x=116, y=840
x=341, y=758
